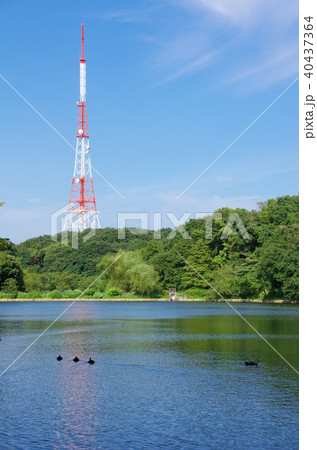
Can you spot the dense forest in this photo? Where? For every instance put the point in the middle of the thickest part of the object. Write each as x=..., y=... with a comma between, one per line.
x=263, y=266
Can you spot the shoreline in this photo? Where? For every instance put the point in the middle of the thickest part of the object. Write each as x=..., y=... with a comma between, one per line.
x=148, y=300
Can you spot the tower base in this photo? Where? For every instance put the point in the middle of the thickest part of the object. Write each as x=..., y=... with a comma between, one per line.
x=81, y=221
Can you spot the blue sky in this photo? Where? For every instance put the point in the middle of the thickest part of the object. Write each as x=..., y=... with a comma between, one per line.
x=170, y=85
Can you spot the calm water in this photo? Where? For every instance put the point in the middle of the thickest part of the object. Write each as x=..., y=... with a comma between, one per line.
x=167, y=375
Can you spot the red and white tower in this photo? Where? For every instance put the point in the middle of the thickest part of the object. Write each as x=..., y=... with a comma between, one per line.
x=82, y=211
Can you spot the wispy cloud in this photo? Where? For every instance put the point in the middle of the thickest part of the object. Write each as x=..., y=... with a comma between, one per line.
x=123, y=15
x=241, y=11
x=181, y=55
x=190, y=67
x=191, y=36
x=208, y=203
x=34, y=200
x=231, y=9
x=220, y=35
x=280, y=64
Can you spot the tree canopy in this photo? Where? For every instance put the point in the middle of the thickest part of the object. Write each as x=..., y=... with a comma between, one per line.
x=234, y=253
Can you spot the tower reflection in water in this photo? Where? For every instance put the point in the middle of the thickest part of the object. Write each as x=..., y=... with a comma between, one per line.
x=78, y=404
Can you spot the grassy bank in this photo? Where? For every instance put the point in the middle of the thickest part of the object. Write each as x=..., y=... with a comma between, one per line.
x=233, y=300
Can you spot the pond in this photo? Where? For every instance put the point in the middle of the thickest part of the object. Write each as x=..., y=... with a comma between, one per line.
x=166, y=375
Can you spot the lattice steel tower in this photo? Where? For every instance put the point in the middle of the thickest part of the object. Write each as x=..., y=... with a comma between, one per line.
x=82, y=211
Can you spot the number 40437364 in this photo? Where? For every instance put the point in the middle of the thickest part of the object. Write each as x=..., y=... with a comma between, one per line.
x=308, y=46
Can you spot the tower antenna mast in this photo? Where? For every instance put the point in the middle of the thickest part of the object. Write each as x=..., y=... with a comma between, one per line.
x=82, y=211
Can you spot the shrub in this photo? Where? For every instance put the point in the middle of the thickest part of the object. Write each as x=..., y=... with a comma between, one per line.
x=10, y=288
x=165, y=293
x=8, y=295
x=23, y=295
x=262, y=295
x=155, y=294
x=196, y=293
x=55, y=294
x=97, y=294
x=36, y=294
x=89, y=292
x=114, y=292
x=72, y=293
x=212, y=295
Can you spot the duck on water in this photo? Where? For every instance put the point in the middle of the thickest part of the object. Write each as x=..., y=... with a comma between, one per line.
x=251, y=363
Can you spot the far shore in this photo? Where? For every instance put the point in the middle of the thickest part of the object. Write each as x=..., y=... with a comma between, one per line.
x=233, y=300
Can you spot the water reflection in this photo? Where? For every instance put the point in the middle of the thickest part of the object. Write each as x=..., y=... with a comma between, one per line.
x=77, y=417
x=76, y=400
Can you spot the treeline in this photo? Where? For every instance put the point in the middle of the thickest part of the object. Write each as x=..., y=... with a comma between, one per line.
x=243, y=254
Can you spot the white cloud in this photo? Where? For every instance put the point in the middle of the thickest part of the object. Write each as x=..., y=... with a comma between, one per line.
x=34, y=200
x=190, y=36
x=242, y=11
x=207, y=203
x=123, y=15
x=280, y=64
x=220, y=35
x=233, y=9
x=190, y=67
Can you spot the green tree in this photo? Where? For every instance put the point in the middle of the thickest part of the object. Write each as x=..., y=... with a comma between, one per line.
x=278, y=262
x=129, y=272
x=10, y=268
x=7, y=246
x=224, y=281
x=199, y=265
x=60, y=258
x=142, y=279
x=280, y=211
x=163, y=256
x=10, y=287
x=33, y=282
